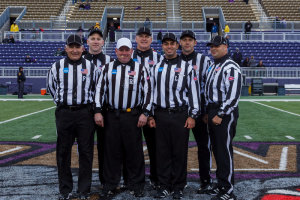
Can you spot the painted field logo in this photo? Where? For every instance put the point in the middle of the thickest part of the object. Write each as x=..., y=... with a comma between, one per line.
x=282, y=194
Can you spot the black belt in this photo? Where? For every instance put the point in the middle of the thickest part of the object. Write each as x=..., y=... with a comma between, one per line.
x=213, y=106
x=171, y=110
x=128, y=110
x=73, y=108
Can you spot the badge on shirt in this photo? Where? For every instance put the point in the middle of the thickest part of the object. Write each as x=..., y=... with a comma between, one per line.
x=150, y=62
x=66, y=70
x=114, y=71
x=148, y=77
x=160, y=69
x=209, y=68
x=135, y=60
x=195, y=67
x=217, y=69
x=231, y=78
x=195, y=78
x=84, y=71
x=177, y=69
x=131, y=73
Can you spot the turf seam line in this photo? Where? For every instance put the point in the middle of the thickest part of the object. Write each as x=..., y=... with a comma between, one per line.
x=276, y=108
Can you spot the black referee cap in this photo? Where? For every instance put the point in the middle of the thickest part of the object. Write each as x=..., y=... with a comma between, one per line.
x=188, y=33
x=96, y=30
x=169, y=36
x=144, y=30
x=217, y=41
x=74, y=39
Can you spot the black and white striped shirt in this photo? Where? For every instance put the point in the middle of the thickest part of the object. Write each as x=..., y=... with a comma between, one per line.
x=200, y=64
x=223, y=84
x=99, y=61
x=124, y=86
x=147, y=58
x=175, y=85
x=72, y=82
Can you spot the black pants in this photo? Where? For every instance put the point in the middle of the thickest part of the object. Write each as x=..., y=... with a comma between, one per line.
x=171, y=149
x=20, y=89
x=100, y=148
x=221, y=139
x=123, y=141
x=204, y=150
x=70, y=125
x=149, y=134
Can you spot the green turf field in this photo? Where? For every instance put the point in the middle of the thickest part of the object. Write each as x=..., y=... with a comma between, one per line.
x=258, y=122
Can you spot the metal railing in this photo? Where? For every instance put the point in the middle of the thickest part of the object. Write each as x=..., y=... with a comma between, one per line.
x=254, y=72
x=272, y=72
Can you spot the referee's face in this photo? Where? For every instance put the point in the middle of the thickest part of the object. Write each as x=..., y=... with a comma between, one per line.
x=218, y=51
x=124, y=54
x=143, y=41
x=74, y=51
x=187, y=45
x=170, y=47
x=95, y=43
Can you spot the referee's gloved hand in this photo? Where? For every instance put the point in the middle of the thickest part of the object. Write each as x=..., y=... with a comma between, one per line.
x=189, y=123
x=99, y=119
x=142, y=121
x=151, y=122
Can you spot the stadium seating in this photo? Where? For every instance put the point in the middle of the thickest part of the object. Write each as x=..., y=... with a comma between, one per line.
x=36, y=9
x=273, y=54
x=151, y=9
x=191, y=10
x=288, y=9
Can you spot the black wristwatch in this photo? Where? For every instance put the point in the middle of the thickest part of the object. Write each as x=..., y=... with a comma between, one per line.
x=193, y=116
x=147, y=114
x=220, y=114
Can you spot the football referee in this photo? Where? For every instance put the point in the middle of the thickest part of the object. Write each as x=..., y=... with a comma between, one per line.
x=126, y=86
x=176, y=106
x=200, y=64
x=95, y=55
x=70, y=83
x=222, y=92
x=144, y=55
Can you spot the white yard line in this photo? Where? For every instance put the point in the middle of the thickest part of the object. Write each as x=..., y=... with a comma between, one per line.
x=248, y=137
x=10, y=150
x=270, y=100
x=36, y=137
x=276, y=108
x=289, y=137
x=22, y=116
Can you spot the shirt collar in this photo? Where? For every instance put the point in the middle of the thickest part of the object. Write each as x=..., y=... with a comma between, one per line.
x=221, y=60
x=72, y=62
x=144, y=53
x=171, y=61
x=188, y=57
x=130, y=62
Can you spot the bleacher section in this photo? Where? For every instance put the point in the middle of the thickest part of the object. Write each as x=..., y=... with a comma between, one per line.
x=288, y=9
x=273, y=54
x=151, y=9
x=191, y=10
x=36, y=9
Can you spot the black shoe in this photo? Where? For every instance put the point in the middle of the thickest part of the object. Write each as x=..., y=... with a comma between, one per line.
x=224, y=196
x=65, y=196
x=106, y=193
x=161, y=193
x=214, y=191
x=206, y=189
x=83, y=196
x=177, y=194
x=154, y=185
x=137, y=193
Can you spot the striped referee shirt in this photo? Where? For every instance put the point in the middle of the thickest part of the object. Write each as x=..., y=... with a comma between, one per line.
x=72, y=82
x=147, y=58
x=223, y=84
x=175, y=85
x=200, y=64
x=99, y=60
x=124, y=86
